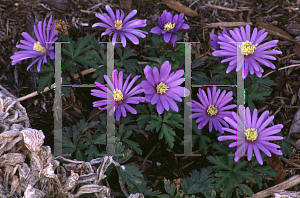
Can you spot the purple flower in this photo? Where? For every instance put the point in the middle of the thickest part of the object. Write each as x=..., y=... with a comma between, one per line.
x=212, y=108
x=249, y=49
x=40, y=48
x=120, y=26
x=118, y=96
x=254, y=136
x=162, y=89
x=215, y=39
x=169, y=25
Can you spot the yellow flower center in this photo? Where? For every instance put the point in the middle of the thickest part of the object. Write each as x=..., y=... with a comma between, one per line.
x=169, y=26
x=247, y=48
x=212, y=110
x=251, y=134
x=161, y=88
x=118, y=24
x=39, y=48
x=118, y=96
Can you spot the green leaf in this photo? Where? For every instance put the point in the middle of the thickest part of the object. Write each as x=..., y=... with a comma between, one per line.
x=45, y=69
x=178, y=195
x=130, y=65
x=153, y=124
x=81, y=145
x=202, y=144
x=170, y=188
x=127, y=134
x=154, y=59
x=227, y=192
x=144, y=189
x=133, y=145
x=164, y=196
x=250, y=104
x=45, y=80
x=80, y=156
x=253, y=89
x=199, y=182
x=67, y=142
x=70, y=49
x=260, y=95
x=266, y=170
x=217, y=68
x=99, y=73
x=86, y=60
x=81, y=44
x=135, y=128
x=92, y=152
x=219, y=162
x=166, y=117
x=239, y=165
x=168, y=133
x=286, y=148
x=246, y=189
x=131, y=175
x=68, y=64
x=127, y=54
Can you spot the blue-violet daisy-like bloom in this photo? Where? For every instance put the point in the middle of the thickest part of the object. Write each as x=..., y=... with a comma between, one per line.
x=253, y=136
x=119, y=96
x=212, y=108
x=40, y=48
x=169, y=25
x=243, y=45
x=119, y=26
x=162, y=89
x=215, y=39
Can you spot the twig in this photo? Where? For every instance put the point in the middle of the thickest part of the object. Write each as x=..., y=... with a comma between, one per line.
x=87, y=71
x=297, y=65
x=293, y=181
x=288, y=56
x=227, y=24
x=148, y=155
x=291, y=163
x=222, y=8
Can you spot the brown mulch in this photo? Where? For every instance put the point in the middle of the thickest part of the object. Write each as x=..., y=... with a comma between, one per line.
x=280, y=18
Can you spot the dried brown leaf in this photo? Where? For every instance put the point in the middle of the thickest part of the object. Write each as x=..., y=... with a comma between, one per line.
x=275, y=163
x=177, y=6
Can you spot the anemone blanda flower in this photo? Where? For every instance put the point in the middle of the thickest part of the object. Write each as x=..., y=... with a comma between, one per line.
x=169, y=25
x=215, y=39
x=119, y=26
x=162, y=89
x=119, y=96
x=212, y=108
x=40, y=48
x=248, y=48
x=254, y=136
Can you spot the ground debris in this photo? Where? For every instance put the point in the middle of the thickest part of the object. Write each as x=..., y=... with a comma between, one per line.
x=42, y=175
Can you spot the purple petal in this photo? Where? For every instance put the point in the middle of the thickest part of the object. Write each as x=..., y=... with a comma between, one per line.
x=156, y=30
x=167, y=37
x=111, y=13
x=129, y=16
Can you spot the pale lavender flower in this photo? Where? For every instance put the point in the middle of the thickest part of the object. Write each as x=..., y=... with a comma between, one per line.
x=250, y=49
x=119, y=95
x=121, y=27
x=254, y=136
x=162, y=89
x=169, y=25
x=212, y=108
x=40, y=48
